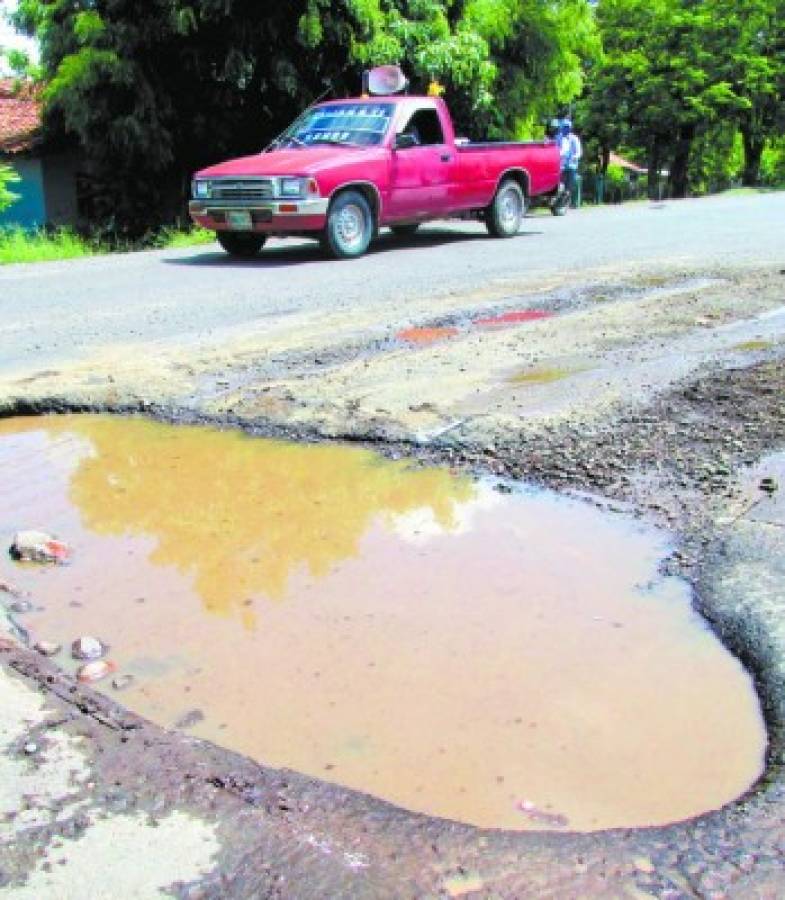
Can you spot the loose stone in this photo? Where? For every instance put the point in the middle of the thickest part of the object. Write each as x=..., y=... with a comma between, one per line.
x=192, y=717
x=7, y=588
x=121, y=682
x=88, y=647
x=47, y=648
x=94, y=671
x=38, y=546
x=21, y=606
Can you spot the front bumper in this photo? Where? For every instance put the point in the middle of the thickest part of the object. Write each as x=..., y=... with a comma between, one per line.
x=267, y=216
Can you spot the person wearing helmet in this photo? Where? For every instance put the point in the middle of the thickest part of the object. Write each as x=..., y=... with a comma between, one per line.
x=552, y=130
x=555, y=132
x=571, y=152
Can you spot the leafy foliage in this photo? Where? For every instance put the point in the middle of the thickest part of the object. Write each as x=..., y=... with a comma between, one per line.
x=7, y=176
x=674, y=72
x=772, y=168
x=152, y=97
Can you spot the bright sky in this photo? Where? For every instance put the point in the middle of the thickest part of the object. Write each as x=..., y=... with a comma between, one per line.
x=8, y=37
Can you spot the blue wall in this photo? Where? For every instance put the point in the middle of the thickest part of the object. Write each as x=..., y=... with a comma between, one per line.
x=29, y=210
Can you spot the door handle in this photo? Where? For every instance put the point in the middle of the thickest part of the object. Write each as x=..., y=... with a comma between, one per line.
x=446, y=157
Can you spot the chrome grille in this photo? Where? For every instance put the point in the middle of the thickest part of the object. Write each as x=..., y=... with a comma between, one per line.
x=242, y=190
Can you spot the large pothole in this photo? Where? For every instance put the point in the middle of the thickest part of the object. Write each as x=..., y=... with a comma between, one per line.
x=508, y=660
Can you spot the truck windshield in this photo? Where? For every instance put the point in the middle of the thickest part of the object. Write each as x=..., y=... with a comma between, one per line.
x=352, y=124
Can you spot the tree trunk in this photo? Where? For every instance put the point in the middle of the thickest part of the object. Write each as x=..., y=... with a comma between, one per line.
x=679, y=177
x=653, y=175
x=753, y=150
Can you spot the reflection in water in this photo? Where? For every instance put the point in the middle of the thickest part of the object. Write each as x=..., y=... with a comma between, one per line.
x=242, y=515
x=509, y=661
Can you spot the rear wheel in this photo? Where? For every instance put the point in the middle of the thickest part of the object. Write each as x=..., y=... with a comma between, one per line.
x=350, y=226
x=243, y=246
x=504, y=216
x=405, y=230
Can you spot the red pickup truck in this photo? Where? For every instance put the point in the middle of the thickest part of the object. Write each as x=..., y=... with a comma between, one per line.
x=345, y=168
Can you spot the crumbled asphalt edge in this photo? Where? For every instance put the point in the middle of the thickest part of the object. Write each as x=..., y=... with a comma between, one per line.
x=556, y=302
x=674, y=462
x=285, y=835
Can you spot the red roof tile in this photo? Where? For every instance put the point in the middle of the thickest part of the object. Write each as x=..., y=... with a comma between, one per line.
x=20, y=116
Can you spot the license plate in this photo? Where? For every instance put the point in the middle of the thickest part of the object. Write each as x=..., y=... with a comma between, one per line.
x=239, y=220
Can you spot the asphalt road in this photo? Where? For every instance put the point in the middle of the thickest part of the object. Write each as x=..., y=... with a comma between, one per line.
x=654, y=394
x=53, y=312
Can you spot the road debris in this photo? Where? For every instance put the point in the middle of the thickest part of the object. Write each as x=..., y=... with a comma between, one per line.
x=7, y=588
x=95, y=671
x=47, y=648
x=40, y=547
x=88, y=647
x=192, y=717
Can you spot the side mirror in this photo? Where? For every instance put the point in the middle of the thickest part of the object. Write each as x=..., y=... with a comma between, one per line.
x=404, y=141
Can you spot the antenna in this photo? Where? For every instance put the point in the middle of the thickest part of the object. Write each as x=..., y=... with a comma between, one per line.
x=310, y=106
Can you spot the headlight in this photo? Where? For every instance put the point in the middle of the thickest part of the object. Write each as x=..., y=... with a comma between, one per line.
x=291, y=187
x=201, y=190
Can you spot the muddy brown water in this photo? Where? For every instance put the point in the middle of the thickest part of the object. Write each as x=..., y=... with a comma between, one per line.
x=504, y=660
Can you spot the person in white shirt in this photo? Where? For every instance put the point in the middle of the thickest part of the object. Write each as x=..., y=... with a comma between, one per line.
x=571, y=150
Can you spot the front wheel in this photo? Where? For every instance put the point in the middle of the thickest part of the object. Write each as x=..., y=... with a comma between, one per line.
x=350, y=226
x=504, y=216
x=240, y=245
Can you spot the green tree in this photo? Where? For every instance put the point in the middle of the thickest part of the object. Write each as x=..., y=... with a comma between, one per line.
x=661, y=81
x=506, y=64
x=675, y=72
x=748, y=39
x=150, y=98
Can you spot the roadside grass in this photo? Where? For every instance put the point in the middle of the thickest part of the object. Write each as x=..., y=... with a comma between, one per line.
x=20, y=246
x=749, y=191
x=175, y=238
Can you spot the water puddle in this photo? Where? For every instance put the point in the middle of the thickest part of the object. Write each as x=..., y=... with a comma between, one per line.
x=514, y=317
x=425, y=336
x=511, y=661
x=753, y=346
x=545, y=376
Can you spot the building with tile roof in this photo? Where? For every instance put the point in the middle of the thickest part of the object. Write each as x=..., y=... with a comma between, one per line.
x=20, y=116
x=48, y=187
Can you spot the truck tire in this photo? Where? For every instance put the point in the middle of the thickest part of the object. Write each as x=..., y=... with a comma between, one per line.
x=404, y=231
x=240, y=244
x=350, y=226
x=504, y=216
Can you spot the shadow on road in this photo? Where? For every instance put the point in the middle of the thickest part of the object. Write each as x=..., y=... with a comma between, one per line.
x=312, y=252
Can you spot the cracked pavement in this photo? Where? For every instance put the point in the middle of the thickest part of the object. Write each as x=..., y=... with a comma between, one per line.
x=656, y=382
